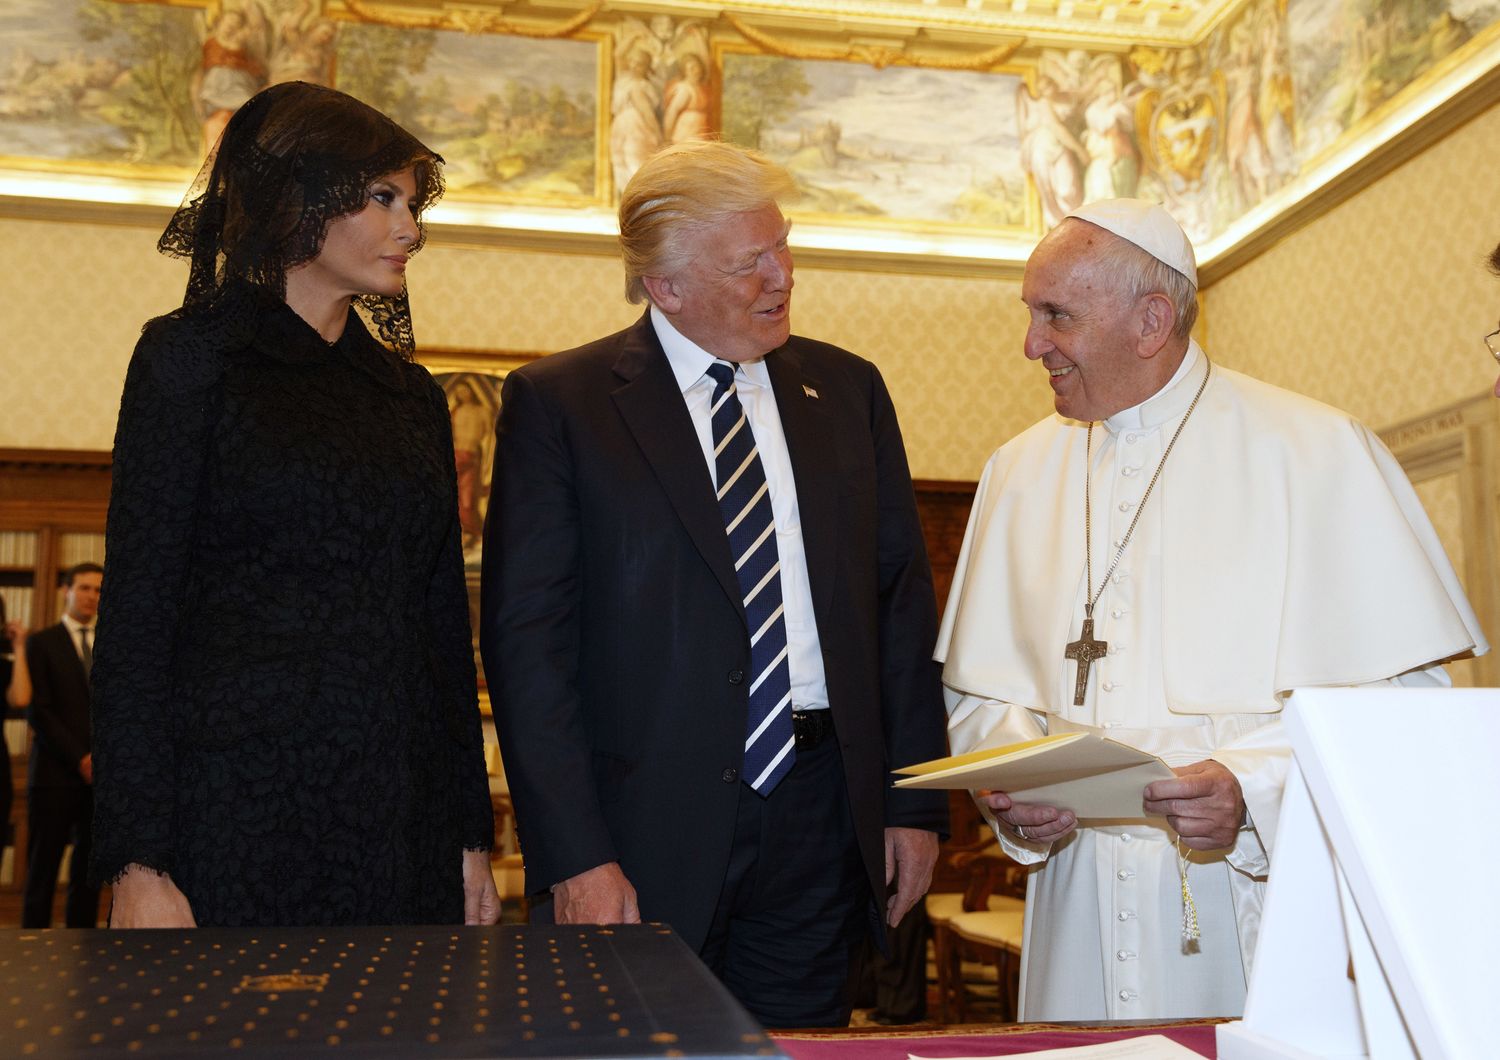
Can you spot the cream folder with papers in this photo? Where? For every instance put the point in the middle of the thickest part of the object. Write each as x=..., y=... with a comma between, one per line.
x=1091, y=775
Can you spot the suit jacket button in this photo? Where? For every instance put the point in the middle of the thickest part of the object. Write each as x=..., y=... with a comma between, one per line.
x=736, y=677
x=729, y=776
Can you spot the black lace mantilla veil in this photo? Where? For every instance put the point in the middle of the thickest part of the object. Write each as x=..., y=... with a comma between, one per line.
x=293, y=158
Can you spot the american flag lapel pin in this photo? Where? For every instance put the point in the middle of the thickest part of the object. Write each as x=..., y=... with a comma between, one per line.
x=809, y=391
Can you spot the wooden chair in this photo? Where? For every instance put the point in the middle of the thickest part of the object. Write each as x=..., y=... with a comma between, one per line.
x=986, y=918
x=953, y=873
x=995, y=934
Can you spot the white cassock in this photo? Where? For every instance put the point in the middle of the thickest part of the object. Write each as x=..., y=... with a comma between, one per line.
x=1282, y=547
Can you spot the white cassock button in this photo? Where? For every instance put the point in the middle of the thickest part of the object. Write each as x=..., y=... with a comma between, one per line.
x=1120, y=576
x=1124, y=914
x=1124, y=955
x=1125, y=838
x=1130, y=439
x=1127, y=995
x=1125, y=506
x=1128, y=472
x=1124, y=874
x=1117, y=612
x=1108, y=686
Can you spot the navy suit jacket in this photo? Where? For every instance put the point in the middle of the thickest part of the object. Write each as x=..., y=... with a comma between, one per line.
x=614, y=635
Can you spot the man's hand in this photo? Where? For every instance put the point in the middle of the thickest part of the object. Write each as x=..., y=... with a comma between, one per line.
x=1031, y=821
x=602, y=895
x=145, y=899
x=481, y=900
x=1204, y=805
x=910, y=854
x=86, y=768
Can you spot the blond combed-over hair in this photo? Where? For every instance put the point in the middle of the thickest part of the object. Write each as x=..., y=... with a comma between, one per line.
x=683, y=190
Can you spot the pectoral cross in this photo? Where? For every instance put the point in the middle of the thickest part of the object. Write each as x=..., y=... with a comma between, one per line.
x=1085, y=649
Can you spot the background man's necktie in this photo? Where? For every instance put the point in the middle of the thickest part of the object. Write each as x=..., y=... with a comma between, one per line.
x=745, y=502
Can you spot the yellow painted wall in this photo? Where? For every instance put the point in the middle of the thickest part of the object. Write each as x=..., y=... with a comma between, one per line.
x=1378, y=307
x=78, y=294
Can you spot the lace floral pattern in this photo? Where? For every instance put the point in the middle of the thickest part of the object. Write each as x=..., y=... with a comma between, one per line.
x=285, y=711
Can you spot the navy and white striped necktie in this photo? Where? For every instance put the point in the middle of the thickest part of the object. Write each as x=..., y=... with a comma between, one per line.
x=745, y=501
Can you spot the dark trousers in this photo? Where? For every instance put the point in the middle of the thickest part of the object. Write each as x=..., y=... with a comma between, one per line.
x=895, y=983
x=795, y=902
x=55, y=817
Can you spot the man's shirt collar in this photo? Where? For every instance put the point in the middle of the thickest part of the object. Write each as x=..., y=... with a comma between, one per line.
x=690, y=361
x=1166, y=403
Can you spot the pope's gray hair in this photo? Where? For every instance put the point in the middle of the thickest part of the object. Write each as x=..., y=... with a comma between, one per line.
x=1134, y=272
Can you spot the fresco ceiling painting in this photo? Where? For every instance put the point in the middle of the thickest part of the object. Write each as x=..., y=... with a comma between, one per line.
x=919, y=131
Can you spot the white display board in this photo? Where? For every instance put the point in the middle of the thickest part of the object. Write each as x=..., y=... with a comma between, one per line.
x=1381, y=931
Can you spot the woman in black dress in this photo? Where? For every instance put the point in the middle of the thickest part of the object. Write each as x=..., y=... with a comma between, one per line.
x=286, y=728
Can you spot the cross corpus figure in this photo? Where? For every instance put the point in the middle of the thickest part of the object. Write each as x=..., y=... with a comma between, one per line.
x=1085, y=649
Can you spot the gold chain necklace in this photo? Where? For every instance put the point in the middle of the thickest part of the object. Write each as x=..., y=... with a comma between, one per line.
x=1086, y=649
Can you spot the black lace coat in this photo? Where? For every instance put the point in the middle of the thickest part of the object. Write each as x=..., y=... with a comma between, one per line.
x=285, y=714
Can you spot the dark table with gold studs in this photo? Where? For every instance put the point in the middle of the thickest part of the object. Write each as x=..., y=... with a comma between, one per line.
x=625, y=991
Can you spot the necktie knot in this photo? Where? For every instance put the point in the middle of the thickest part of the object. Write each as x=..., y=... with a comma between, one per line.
x=723, y=376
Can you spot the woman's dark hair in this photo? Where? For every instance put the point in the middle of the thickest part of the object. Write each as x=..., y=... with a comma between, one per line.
x=293, y=158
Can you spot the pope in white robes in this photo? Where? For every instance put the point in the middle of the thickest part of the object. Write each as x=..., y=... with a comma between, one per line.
x=1277, y=545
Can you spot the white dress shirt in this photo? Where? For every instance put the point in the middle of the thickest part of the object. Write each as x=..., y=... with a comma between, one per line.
x=690, y=363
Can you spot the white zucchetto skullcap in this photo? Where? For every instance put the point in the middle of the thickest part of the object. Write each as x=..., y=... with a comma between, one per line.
x=1148, y=226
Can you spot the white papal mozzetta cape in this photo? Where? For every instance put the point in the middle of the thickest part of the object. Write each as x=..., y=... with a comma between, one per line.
x=1283, y=547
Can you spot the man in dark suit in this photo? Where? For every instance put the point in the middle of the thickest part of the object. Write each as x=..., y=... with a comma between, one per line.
x=708, y=615
x=59, y=792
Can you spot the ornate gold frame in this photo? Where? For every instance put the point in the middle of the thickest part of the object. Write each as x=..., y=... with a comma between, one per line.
x=498, y=363
x=440, y=360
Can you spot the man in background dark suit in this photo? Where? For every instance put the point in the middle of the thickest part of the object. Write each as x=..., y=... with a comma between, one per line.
x=708, y=616
x=59, y=792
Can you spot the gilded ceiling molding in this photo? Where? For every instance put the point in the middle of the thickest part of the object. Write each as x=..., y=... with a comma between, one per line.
x=878, y=56
x=1096, y=23
x=468, y=20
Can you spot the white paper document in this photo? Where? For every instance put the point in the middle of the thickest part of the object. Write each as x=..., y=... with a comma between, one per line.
x=1080, y=771
x=1151, y=1047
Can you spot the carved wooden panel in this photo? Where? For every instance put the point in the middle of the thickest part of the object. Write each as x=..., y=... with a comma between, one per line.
x=943, y=507
x=1452, y=456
